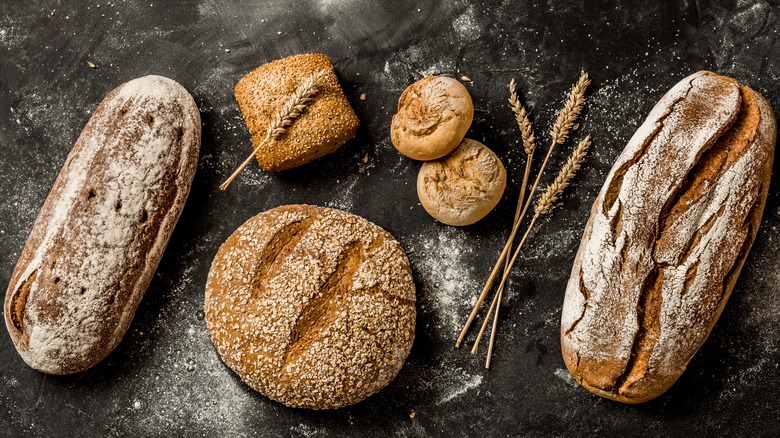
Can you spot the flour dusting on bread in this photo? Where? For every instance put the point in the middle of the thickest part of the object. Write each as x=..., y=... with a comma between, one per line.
x=105, y=225
x=667, y=237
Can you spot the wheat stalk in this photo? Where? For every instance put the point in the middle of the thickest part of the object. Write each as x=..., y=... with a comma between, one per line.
x=560, y=131
x=543, y=206
x=284, y=116
x=529, y=144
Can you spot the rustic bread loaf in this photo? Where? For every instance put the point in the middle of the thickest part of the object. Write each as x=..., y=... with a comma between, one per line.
x=326, y=122
x=667, y=237
x=311, y=306
x=104, y=226
x=433, y=116
x=462, y=187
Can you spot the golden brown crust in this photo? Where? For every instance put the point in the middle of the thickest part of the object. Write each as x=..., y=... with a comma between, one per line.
x=462, y=187
x=311, y=306
x=327, y=122
x=433, y=116
x=102, y=229
x=667, y=238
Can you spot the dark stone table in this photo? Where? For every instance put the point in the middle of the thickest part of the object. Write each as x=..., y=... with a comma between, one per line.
x=166, y=379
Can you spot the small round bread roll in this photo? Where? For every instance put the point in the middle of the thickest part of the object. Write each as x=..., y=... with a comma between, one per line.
x=434, y=114
x=462, y=187
x=311, y=306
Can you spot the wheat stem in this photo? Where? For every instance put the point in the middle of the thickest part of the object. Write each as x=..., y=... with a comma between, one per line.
x=543, y=206
x=484, y=292
x=560, y=132
x=561, y=129
x=528, y=139
x=499, y=296
x=546, y=201
x=529, y=143
x=475, y=348
x=505, y=251
x=284, y=116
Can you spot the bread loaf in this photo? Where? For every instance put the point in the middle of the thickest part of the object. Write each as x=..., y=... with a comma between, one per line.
x=104, y=226
x=433, y=116
x=311, y=306
x=667, y=237
x=325, y=123
x=463, y=186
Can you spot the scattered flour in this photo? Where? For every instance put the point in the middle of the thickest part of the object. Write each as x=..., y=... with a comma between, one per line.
x=445, y=274
x=12, y=32
x=566, y=377
x=464, y=383
x=448, y=380
x=466, y=26
x=307, y=431
x=344, y=199
x=331, y=6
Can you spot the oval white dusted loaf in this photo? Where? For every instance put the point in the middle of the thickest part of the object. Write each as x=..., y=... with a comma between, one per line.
x=667, y=237
x=104, y=226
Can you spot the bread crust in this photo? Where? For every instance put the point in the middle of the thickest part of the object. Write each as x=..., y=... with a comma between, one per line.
x=433, y=116
x=311, y=306
x=327, y=122
x=104, y=226
x=667, y=237
x=463, y=186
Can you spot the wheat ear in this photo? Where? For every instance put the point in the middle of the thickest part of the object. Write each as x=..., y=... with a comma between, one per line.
x=543, y=206
x=547, y=201
x=561, y=129
x=526, y=129
x=284, y=116
x=571, y=110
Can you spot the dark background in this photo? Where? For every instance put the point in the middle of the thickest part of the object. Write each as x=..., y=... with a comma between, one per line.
x=165, y=378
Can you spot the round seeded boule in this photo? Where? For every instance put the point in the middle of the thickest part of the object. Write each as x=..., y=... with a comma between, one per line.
x=433, y=116
x=462, y=187
x=311, y=306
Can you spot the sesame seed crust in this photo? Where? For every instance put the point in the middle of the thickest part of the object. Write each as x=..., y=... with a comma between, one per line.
x=311, y=306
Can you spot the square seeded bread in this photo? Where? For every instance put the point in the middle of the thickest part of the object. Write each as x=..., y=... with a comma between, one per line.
x=326, y=123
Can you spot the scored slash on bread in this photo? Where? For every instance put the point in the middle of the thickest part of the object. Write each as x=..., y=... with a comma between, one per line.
x=667, y=237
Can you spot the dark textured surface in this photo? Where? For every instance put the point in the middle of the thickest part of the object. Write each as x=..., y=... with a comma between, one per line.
x=165, y=377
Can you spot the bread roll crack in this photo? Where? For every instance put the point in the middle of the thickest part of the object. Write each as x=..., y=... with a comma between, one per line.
x=427, y=108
